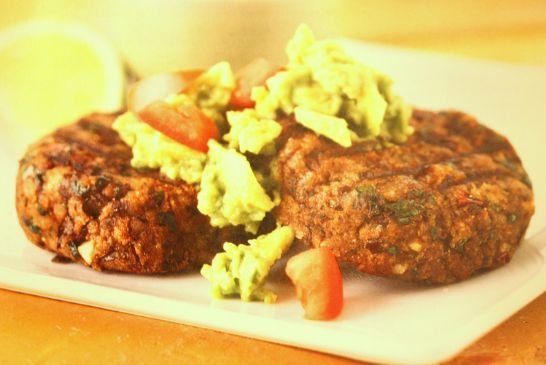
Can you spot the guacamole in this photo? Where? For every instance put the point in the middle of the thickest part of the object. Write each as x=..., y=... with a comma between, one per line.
x=249, y=133
x=321, y=78
x=321, y=88
x=211, y=92
x=230, y=192
x=153, y=149
x=242, y=269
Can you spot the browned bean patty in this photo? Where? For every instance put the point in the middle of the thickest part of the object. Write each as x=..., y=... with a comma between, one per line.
x=77, y=186
x=451, y=201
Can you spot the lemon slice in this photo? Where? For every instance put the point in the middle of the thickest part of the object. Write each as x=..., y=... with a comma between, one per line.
x=52, y=73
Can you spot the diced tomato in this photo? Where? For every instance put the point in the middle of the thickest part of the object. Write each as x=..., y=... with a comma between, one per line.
x=158, y=87
x=185, y=124
x=319, y=285
x=254, y=74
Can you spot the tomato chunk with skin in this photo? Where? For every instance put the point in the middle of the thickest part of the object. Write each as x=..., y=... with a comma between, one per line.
x=254, y=74
x=318, y=281
x=158, y=87
x=185, y=124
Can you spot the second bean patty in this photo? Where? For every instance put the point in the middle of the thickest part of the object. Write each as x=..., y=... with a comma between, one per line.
x=453, y=200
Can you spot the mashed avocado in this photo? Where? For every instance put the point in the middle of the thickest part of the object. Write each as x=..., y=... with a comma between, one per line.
x=321, y=78
x=249, y=133
x=153, y=149
x=242, y=269
x=230, y=192
x=212, y=90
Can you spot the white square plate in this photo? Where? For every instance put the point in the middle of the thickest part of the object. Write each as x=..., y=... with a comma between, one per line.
x=383, y=320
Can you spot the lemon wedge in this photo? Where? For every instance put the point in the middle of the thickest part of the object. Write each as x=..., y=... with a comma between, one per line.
x=52, y=73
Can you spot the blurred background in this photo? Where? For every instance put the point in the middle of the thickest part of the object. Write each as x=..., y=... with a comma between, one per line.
x=157, y=35
x=152, y=36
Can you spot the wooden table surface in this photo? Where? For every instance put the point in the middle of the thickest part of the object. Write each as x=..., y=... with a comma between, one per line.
x=36, y=330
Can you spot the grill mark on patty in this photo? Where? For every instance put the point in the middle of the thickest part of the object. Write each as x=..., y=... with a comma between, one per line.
x=313, y=157
x=420, y=170
x=116, y=162
x=436, y=140
x=97, y=152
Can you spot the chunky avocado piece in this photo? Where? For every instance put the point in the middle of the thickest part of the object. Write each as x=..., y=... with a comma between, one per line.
x=230, y=193
x=249, y=133
x=331, y=127
x=153, y=149
x=242, y=269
